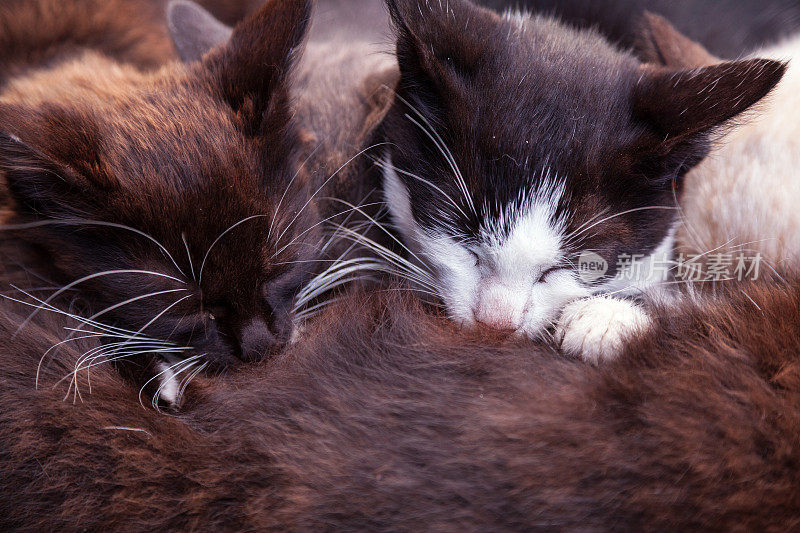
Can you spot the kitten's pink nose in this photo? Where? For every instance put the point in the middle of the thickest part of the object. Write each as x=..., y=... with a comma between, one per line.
x=500, y=307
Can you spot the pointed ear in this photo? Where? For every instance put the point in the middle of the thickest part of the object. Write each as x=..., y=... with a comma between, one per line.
x=252, y=70
x=680, y=104
x=659, y=43
x=436, y=41
x=194, y=30
x=51, y=165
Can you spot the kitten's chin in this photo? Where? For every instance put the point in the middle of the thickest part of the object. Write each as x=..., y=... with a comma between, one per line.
x=537, y=331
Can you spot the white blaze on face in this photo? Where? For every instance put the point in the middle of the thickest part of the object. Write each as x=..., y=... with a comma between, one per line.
x=497, y=282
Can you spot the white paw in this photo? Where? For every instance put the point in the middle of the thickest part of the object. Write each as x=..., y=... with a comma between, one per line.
x=596, y=328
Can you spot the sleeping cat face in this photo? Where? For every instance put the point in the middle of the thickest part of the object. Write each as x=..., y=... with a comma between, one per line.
x=519, y=146
x=170, y=207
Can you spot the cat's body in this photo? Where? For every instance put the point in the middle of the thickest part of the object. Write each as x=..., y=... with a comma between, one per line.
x=743, y=199
x=386, y=418
x=518, y=147
x=168, y=208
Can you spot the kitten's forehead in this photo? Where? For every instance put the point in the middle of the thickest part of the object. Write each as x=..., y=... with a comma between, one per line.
x=556, y=88
x=171, y=141
x=535, y=122
x=538, y=202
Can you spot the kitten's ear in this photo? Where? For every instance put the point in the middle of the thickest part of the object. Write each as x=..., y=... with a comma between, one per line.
x=439, y=41
x=194, y=30
x=685, y=103
x=51, y=165
x=659, y=43
x=252, y=70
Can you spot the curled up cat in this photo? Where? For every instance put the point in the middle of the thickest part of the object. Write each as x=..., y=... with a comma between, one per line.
x=528, y=160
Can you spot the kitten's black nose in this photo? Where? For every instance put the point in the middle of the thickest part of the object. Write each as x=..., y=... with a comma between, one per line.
x=256, y=340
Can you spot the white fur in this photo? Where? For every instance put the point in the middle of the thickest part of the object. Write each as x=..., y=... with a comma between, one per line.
x=498, y=282
x=746, y=195
x=596, y=328
x=169, y=388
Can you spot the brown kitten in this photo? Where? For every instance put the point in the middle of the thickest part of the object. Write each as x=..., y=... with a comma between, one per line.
x=169, y=209
x=386, y=418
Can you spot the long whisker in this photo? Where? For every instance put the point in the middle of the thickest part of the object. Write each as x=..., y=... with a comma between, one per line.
x=188, y=255
x=88, y=278
x=187, y=380
x=169, y=369
x=109, y=330
x=577, y=233
x=324, y=184
x=406, y=269
x=323, y=283
x=162, y=313
x=384, y=230
x=83, y=222
x=300, y=236
x=286, y=190
x=385, y=164
x=132, y=300
x=442, y=147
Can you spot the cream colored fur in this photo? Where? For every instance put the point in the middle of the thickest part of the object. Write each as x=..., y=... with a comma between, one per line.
x=746, y=195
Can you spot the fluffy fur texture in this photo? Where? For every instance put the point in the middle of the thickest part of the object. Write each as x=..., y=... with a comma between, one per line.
x=597, y=328
x=36, y=33
x=517, y=145
x=168, y=209
x=743, y=199
x=387, y=418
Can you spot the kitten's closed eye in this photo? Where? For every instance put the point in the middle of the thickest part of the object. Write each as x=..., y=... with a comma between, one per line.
x=279, y=293
x=547, y=274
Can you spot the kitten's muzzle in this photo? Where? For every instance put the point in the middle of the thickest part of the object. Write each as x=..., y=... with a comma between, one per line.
x=500, y=307
x=257, y=341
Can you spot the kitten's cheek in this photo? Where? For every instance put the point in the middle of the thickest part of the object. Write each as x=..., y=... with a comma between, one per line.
x=548, y=301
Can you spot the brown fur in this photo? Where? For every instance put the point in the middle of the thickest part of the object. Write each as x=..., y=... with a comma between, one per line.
x=387, y=418
x=34, y=33
x=182, y=154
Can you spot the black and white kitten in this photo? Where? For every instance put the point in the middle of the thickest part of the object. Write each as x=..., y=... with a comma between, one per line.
x=522, y=153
